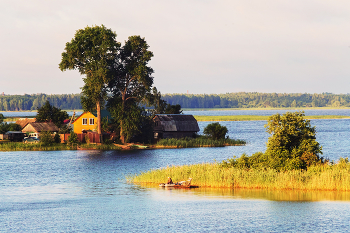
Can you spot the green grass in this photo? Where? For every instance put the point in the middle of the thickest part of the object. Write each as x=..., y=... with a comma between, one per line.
x=200, y=141
x=335, y=177
x=259, y=118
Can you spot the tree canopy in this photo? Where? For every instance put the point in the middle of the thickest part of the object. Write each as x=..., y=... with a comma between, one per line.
x=49, y=113
x=92, y=51
x=292, y=144
x=131, y=84
x=215, y=131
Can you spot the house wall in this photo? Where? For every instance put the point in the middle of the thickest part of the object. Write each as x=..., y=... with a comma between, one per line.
x=78, y=124
x=28, y=129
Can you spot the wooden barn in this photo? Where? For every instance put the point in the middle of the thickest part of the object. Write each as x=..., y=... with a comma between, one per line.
x=35, y=128
x=174, y=126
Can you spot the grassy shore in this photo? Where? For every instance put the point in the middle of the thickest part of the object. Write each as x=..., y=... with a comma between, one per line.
x=335, y=177
x=20, y=146
x=201, y=141
x=259, y=118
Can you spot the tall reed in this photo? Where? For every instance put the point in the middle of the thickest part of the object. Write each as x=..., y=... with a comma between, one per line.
x=320, y=177
x=198, y=142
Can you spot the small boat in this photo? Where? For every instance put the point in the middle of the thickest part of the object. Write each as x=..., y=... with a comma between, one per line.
x=181, y=184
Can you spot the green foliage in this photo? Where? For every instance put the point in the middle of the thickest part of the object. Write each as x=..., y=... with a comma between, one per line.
x=46, y=138
x=293, y=142
x=49, y=113
x=292, y=146
x=57, y=138
x=65, y=129
x=1, y=118
x=173, y=109
x=4, y=127
x=92, y=51
x=131, y=84
x=72, y=138
x=215, y=131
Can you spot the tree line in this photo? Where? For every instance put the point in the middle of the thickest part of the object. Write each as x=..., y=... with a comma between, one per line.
x=228, y=100
x=33, y=102
x=258, y=100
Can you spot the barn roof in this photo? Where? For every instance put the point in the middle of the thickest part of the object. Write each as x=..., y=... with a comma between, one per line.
x=41, y=126
x=177, y=122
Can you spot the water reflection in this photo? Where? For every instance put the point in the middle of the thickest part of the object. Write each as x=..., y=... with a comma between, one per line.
x=258, y=194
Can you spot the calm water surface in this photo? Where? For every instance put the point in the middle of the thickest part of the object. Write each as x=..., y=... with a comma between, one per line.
x=85, y=191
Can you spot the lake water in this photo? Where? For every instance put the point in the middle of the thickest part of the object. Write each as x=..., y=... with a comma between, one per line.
x=86, y=191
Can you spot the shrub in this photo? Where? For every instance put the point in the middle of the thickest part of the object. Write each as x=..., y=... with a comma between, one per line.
x=57, y=138
x=46, y=138
x=215, y=131
x=73, y=138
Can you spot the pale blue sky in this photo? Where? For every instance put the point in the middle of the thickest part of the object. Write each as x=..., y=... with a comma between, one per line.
x=200, y=46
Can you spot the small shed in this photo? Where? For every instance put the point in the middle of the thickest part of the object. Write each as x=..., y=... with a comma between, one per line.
x=174, y=126
x=35, y=128
x=15, y=136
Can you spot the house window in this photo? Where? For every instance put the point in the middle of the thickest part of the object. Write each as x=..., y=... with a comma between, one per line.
x=91, y=121
x=84, y=121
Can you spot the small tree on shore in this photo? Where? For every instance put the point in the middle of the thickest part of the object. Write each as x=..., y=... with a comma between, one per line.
x=215, y=131
x=72, y=138
x=46, y=138
x=292, y=144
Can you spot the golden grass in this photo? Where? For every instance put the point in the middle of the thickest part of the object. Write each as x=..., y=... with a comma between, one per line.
x=323, y=177
x=259, y=118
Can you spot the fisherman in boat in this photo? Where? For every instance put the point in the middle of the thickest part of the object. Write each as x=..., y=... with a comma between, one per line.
x=170, y=181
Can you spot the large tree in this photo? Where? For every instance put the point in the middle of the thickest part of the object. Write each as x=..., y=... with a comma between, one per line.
x=92, y=51
x=131, y=84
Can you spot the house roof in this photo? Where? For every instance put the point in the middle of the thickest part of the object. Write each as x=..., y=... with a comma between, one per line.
x=24, y=121
x=177, y=122
x=43, y=126
x=104, y=113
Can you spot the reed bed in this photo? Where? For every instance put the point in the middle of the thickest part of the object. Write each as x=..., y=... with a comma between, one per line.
x=197, y=142
x=330, y=177
x=259, y=118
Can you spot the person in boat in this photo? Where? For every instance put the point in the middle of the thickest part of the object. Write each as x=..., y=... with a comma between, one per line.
x=170, y=181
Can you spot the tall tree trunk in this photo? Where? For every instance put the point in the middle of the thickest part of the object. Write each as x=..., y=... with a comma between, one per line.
x=122, y=136
x=98, y=109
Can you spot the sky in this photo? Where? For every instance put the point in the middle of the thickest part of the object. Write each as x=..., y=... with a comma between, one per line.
x=199, y=46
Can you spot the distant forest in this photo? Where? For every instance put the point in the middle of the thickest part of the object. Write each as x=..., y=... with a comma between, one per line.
x=228, y=100
x=32, y=102
x=258, y=100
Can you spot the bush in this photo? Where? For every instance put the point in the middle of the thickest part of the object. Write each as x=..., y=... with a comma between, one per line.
x=73, y=138
x=215, y=131
x=57, y=138
x=293, y=142
x=46, y=138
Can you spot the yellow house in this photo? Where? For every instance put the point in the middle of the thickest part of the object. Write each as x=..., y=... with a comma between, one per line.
x=88, y=121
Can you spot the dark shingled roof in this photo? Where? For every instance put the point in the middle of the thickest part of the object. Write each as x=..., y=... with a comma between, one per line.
x=177, y=122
